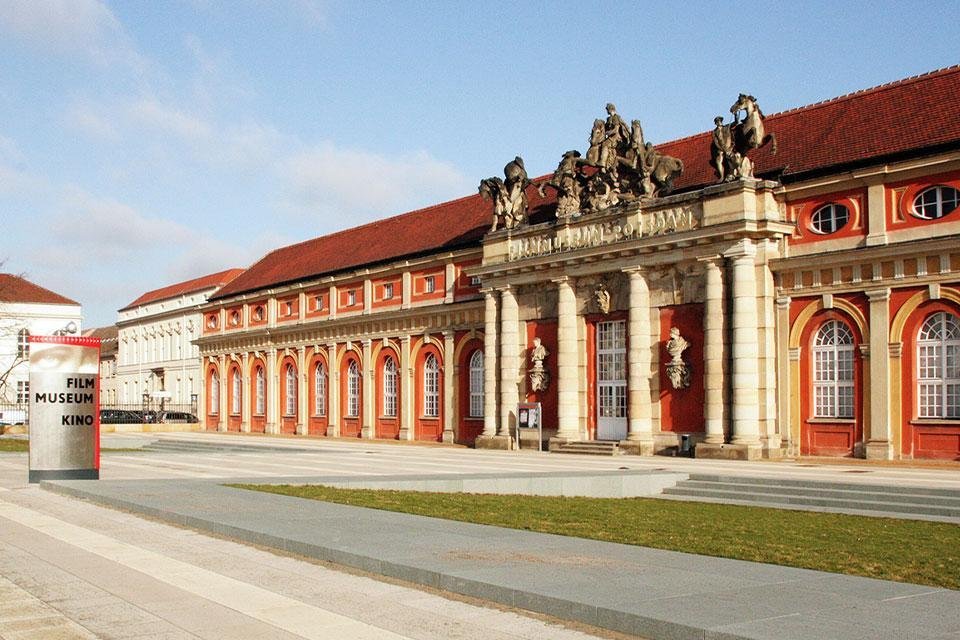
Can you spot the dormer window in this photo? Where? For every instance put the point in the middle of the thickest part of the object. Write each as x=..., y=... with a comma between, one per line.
x=429, y=285
x=829, y=218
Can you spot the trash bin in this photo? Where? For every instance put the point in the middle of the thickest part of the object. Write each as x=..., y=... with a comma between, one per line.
x=685, y=444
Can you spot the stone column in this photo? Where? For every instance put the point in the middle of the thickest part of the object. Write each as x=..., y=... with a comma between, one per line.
x=509, y=364
x=713, y=334
x=568, y=391
x=224, y=417
x=405, y=375
x=367, y=408
x=449, y=364
x=640, y=425
x=245, y=394
x=333, y=392
x=489, y=369
x=303, y=396
x=273, y=393
x=783, y=375
x=878, y=446
x=744, y=350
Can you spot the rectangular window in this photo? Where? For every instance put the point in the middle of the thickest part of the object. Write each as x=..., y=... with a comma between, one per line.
x=318, y=303
x=429, y=286
x=474, y=281
x=351, y=298
x=388, y=291
x=23, y=391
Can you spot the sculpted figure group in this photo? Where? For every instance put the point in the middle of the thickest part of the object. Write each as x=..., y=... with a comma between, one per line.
x=731, y=142
x=620, y=166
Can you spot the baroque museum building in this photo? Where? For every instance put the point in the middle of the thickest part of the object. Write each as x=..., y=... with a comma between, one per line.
x=778, y=285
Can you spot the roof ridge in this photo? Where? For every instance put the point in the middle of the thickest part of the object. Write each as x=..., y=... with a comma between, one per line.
x=886, y=86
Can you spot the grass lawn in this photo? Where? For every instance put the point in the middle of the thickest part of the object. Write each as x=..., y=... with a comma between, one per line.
x=9, y=444
x=903, y=550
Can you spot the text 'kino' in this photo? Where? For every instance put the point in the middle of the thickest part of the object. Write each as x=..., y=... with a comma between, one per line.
x=591, y=235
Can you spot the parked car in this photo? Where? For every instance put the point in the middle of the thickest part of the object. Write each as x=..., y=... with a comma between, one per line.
x=177, y=416
x=119, y=416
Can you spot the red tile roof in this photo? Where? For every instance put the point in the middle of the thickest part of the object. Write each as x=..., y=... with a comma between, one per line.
x=16, y=289
x=899, y=118
x=190, y=286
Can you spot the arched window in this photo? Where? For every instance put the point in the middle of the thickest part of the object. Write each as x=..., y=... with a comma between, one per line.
x=23, y=343
x=476, y=384
x=833, y=389
x=353, y=390
x=938, y=367
x=261, y=393
x=236, y=395
x=290, y=391
x=214, y=393
x=389, y=387
x=431, y=387
x=319, y=390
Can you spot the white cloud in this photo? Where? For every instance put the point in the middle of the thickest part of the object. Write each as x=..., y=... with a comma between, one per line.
x=90, y=119
x=68, y=27
x=348, y=182
x=168, y=119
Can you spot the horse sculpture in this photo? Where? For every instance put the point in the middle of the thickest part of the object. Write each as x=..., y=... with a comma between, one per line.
x=509, y=196
x=750, y=134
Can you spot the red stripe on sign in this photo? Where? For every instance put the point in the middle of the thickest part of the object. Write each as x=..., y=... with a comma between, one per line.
x=71, y=340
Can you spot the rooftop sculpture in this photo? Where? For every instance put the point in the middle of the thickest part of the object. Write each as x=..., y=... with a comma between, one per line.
x=731, y=142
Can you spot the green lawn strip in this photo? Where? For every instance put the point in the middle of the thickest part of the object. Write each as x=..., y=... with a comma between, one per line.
x=8, y=444
x=890, y=549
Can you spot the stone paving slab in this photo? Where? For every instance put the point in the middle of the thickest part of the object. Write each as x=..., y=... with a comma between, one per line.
x=647, y=592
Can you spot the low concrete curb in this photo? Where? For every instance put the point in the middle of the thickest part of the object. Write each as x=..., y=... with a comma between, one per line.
x=635, y=590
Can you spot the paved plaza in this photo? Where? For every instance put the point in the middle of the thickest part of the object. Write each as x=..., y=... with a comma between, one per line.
x=73, y=569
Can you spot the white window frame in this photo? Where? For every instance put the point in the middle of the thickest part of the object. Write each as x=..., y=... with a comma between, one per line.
x=237, y=387
x=476, y=384
x=214, y=393
x=23, y=391
x=834, y=371
x=23, y=344
x=353, y=389
x=429, y=284
x=389, y=387
x=290, y=391
x=431, y=387
x=260, y=407
x=318, y=303
x=388, y=291
x=320, y=390
x=938, y=367
x=934, y=208
x=351, y=298
x=826, y=219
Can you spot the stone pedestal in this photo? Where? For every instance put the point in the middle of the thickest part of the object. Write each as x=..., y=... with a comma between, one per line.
x=729, y=451
x=504, y=443
x=878, y=450
x=637, y=447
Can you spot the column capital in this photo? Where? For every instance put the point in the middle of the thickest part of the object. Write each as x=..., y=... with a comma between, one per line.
x=878, y=295
x=745, y=248
x=783, y=302
x=711, y=261
x=562, y=280
x=636, y=271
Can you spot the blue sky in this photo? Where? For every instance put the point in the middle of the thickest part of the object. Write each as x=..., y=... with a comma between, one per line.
x=144, y=143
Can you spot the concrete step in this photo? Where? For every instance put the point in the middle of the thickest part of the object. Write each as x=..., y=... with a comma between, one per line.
x=187, y=446
x=849, y=492
x=821, y=495
x=590, y=448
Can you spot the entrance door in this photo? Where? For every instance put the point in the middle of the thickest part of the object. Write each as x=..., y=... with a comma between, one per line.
x=612, y=380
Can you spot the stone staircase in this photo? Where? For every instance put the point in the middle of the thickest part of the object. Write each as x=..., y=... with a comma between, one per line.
x=590, y=448
x=899, y=501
